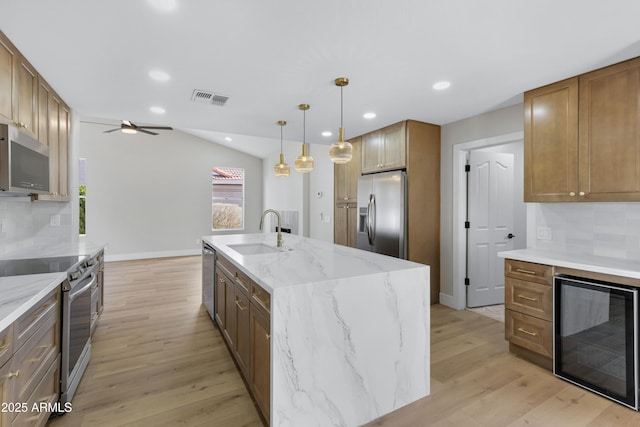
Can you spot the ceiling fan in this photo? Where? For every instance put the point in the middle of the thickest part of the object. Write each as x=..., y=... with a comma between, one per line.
x=128, y=127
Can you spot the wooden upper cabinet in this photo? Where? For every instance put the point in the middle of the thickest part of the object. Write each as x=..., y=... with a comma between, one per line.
x=26, y=97
x=582, y=137
x=610, y=133
x=8, y=58
x=551, y=142
x=384, y=149
x=346, y=176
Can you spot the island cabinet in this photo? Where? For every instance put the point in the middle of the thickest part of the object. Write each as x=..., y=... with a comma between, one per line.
x=30, y=363
x=384, y=149
x=346, y=197
x=529, y=311
x=582, y=137
x=242, y=312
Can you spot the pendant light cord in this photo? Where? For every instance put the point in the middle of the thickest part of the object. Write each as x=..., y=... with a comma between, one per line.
x=341, y=112
x=281, y=139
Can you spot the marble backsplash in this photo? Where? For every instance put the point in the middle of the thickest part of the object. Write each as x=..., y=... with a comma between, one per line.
x=602, y=229
x=23, y=223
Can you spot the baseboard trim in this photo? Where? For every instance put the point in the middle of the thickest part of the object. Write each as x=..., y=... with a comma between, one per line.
x=147, y=255
x=449, y=301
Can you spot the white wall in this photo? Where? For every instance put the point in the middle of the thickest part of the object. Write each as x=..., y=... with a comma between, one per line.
x=150, y=196
x=321, y=197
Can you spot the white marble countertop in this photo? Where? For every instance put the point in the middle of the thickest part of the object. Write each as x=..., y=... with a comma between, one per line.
x=302, y=260
x=60, y=249
x=19, y=293
x=616, y=267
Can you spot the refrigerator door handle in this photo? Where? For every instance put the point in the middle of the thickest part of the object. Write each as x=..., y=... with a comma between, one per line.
x=373, y=218
x=368, y=224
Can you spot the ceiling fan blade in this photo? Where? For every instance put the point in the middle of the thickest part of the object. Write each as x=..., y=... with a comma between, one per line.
x=155, y=127
x=146, y=131
x=112, y=130
x=98, y=123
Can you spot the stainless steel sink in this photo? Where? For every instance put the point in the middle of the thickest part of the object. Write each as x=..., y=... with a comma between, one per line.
x=254, y=248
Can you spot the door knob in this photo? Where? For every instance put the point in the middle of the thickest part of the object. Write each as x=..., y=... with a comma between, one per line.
x=510, y=236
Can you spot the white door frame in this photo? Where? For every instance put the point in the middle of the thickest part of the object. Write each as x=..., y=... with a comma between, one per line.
x=460, y=150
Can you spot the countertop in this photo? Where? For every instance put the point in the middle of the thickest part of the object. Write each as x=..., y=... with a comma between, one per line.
x=59, y=249
x=616, y=267
x=19, y=293
x=303, y=260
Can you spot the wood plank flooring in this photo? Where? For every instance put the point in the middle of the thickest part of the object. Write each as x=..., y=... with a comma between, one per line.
x=158, y=361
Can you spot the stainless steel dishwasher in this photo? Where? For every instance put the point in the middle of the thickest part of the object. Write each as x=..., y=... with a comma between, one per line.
x=208, y=283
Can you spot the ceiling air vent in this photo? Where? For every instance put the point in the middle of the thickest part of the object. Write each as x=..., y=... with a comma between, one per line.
x=206, y=97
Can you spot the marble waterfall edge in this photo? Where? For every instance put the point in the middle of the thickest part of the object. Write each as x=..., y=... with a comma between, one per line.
x=347, y=351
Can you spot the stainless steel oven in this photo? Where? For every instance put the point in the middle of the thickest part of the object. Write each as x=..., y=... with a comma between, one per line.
x=596, y=337
x=76, y=325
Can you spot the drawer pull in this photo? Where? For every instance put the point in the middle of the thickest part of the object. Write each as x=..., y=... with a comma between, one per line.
x=240, y=306
x=524, y=331
x=523, y=271
x=263, y=302
x=3, y=347
x=527, y=298
x=13, y=374
x=268, y=336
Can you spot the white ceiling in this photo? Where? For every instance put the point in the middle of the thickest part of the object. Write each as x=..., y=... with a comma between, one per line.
x=270, y=56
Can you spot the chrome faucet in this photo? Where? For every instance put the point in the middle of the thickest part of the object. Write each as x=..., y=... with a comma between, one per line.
x=279, y=224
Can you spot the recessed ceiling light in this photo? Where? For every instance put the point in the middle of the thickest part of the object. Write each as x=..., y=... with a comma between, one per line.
x=159, y=75
x=157, y=110
x=442, y=85
x=164, y=5
x=326, y=133
x=369, y=115
x=228, y=139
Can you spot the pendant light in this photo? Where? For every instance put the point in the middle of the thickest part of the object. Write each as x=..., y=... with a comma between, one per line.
x=281, y=168
x=304, y=162
x=341, y=151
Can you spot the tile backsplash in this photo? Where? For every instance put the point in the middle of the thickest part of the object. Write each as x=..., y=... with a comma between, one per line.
x=602, y=229
x=23, y=223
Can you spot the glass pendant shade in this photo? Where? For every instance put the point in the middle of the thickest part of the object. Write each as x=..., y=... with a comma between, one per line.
x=281, y=168
x=340, y=152
x=304, y=162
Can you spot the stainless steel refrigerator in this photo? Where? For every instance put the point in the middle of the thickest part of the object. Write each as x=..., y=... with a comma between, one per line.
x=382, y=208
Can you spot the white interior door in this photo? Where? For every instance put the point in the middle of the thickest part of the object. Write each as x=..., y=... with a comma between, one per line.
x=491, y=222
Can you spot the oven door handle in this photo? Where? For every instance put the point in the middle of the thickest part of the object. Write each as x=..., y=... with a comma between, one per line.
x=73, y=294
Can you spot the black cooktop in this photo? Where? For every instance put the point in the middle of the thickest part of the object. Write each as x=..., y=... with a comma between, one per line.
x=19, y=267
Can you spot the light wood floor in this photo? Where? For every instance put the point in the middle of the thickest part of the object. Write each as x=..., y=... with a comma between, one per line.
x=158, y=361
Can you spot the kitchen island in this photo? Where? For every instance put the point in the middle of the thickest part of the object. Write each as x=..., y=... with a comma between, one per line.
x=349, y=329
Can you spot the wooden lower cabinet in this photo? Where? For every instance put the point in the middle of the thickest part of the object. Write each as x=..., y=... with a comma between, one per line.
x=346, y=217
x=260, y=379
x=528, y=315
x=242, y=312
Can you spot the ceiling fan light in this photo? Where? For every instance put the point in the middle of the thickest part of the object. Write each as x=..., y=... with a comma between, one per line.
x=129, y=130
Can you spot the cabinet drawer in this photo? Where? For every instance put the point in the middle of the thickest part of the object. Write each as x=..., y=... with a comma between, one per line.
x=243, y=281
x=33, y=359
x=529, y=271
x=45, y=394
x=529, y=332
x=29, y=322
x=261, y=298
x=529, y=298
x=6, y=344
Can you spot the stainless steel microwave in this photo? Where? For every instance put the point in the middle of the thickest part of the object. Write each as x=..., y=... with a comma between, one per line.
x=24, y=163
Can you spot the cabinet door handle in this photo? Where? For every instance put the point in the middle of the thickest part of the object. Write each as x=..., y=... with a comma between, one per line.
x=267, y=337
x=572, y=193
x=240, y=306
x=527, y=298
x=524, y=331
x=581, y=193
x=3, y=347
x=523, y=271
x=13, y=374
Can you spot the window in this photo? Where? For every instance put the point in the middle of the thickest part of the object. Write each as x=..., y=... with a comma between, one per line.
x=82, y=179
x=227, y=199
